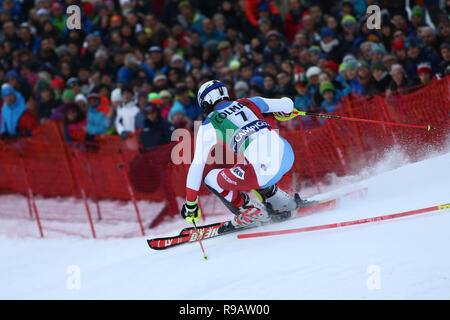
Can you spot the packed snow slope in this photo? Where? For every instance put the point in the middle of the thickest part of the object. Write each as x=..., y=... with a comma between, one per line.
x=406, y=258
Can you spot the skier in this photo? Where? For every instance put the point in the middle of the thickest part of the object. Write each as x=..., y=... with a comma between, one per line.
x=268, y=157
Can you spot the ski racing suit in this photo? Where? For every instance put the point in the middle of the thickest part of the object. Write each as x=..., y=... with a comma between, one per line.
x=240, y=125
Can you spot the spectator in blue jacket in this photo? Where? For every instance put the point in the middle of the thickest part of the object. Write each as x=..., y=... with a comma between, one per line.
x=186, y=102
x=209, y=32
x=97, y=120
x=331, y=97
x=351, y=69
x=131, y=68
x=190, y=18
x=13, y=109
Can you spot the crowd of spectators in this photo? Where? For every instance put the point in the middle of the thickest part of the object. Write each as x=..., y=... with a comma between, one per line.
x=137, y=64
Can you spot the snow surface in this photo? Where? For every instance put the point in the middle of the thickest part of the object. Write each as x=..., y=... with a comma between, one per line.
x=406, y=258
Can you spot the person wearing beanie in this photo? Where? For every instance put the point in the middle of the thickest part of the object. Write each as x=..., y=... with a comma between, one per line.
x=59, y=19
x=116, y=98
x=326, y=86
x=331, y=68
x=348, y=36
x=417, y=53
x=57, y=85
x=153, y=98
x=330, y=96
x=18, y=83
x=68, y=96
x=258, y=9
x=142, y=99
x=378, y=52
x=352, y=83
x=275, y=49
x=82, y=101
x=348, y=20
x=166, y=103
x=425, y=73
x=329, y=44
x=16, y=120
x=47, y=102
x=241, y=89
x=365, y=79
x=314, y=54
x=381, y=77
x=156, y=130
x=98, y=115
x=68, y=99
x=400, y=80
x=417, y=17
x=189, y=18
x=398, y=46
x=314, y=96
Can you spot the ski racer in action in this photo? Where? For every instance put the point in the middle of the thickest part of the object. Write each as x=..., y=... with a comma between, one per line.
x=268, y=157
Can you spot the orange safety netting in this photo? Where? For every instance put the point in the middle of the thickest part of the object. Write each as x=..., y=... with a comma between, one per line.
x=111, y=168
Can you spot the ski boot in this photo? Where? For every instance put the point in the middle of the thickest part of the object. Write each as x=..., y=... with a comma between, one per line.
x=279, y=204
x=250, y=213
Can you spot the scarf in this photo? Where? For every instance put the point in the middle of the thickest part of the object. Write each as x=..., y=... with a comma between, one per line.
x=327, y=47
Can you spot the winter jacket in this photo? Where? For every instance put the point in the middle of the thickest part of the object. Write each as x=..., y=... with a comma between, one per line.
x=97, y=119
x=214, y=35
x=125, y=118
x=155, y=133
x=191, y=109
x=46, y=108
x=195, y=24
x=11, y=115
x=251, y=11
x=332, y=106
x=126, y=75
x=425, y=55
x=383, y=84
x=75, y=131
x=293, y=23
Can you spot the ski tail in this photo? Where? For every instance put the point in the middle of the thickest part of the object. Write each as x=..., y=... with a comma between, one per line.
x=167, y=242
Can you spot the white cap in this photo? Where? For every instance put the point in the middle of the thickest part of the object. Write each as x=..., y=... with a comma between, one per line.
x=312, y=71
x=42, y=11
x=176, y=57
x=116, y=95
x=81, y=97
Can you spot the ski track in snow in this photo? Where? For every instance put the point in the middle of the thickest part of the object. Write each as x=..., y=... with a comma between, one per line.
x=406, y=258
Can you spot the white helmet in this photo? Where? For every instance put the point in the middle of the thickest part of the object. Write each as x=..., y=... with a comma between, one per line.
x=210, y=93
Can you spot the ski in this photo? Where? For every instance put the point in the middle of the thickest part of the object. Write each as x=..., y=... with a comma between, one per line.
x=188, y=234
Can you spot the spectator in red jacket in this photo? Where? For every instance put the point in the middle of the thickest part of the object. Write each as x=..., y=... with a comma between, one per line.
x=293, y=19
x=257, y=9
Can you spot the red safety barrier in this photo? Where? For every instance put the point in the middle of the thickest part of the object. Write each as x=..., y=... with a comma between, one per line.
x=113, y=169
